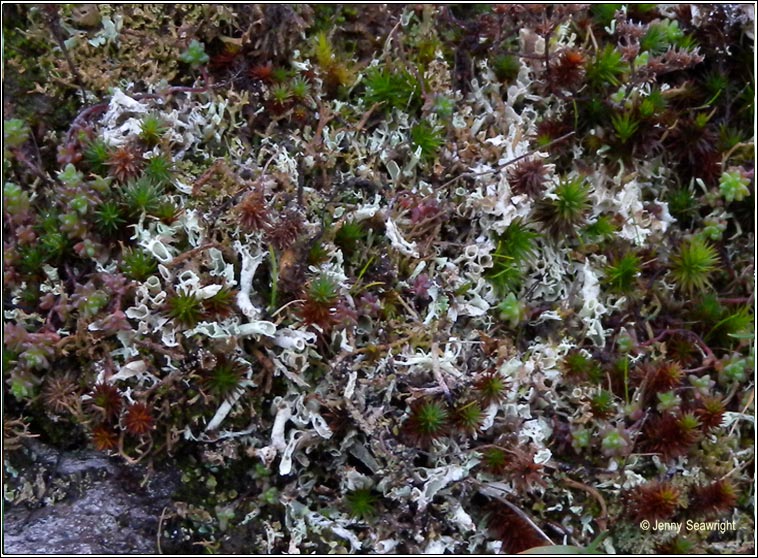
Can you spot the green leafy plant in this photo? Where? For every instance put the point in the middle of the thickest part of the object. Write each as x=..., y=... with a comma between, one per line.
x=152, y=129
x=349, y=236
x=159, y=169
x=468, y=417
x=563, y=213
x=299, y=88
x=15, y=133
x=224, y=378
x=396, y=89
x=281, y=94
x=185, y=308
x=514, y=246
x=693, y=264
x=97, y=154
x=621, y=274
x=108, y=218
x=602, y=229
x=428, y=137
x=491, y=388
x=142, y=195
x=195, y=55
x=660, y=36
x=221, y=303
x=683, y=204
x=429, y=420
x=362, y=503
x=506, y=67
x=138, y=264
x=733, y=186
x=607, y=68
x=625, y=126
x=653, y=105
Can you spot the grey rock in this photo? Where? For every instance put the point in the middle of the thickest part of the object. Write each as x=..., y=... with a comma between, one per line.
x=81, y=503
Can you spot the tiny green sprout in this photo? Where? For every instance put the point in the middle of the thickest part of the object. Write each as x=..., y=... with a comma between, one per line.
x=494, y=460
x=70, y=176
x=281, y=93
x=34, y=358
x=683, y=204
x=15, y=199
x=152, y=129
x=562, y=214
x=96, y=154
x=71, y=223
x=195, y=55
x=625, y=126
x=108, y=217
x=166, y=211
x=728, y=137
x=733, y=186
x=468, y=418
x=581, y=438
x=660, y=36
x=604, y=13
x=732, y=327
x=428, y=137
x=601, y=403
x=270, y=496
x=578, y=365
x=323, y=51
x=142, y=195
x=506, y=67
x=428, y=421
x=185, y=308
x=621, y=275
x=681, y=546
x=93, y=304
x=15, y=133
x=22, y=387
x=79, y=203
x=701, y=384
x=607, y=68
x=514, y=246
x=361, y=503
x=138, y=264
x=511, y=310
x=692, y=265
x=54, y=243
x=689, y=422
x=280, y=74
x=299, y=87
x=702, y=119
x=614, y=443
x=323, y=290
x=713, y=227
x=602, y=229
x=225, y=378
x=668, y=401
x=220, y=304
x=31, y=258
x=653, y=104
x=349, y=236
x=159, y=169
x=733, y=371
x=491, y=388
x=396, y=89
x=715, y=82
x=443, y=106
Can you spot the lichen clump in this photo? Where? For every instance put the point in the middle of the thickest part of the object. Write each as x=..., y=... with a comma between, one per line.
x=461, y=279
